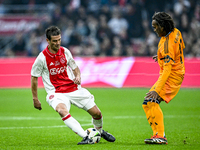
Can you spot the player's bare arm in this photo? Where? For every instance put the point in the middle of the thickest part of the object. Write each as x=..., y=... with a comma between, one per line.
x=77, y=74
x=34, y=84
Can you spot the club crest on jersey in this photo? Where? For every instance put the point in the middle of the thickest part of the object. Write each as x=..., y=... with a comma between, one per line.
x=62, y=60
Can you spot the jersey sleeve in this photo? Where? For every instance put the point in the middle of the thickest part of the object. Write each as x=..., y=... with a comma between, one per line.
x=163, y=78
x=70, y=60
x=167, y=59
x=37, y=67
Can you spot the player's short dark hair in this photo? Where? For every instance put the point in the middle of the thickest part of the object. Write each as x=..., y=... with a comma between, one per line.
x=52, y=31
x=164, y=20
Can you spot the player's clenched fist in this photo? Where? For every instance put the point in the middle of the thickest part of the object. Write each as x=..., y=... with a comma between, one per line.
x=37, y=104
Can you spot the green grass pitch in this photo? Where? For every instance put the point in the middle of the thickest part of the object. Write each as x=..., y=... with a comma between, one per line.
x=22, y=127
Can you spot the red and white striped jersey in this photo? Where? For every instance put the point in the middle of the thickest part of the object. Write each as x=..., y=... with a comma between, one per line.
x=55, y=70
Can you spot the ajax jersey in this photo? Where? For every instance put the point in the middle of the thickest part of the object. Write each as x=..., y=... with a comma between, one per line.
x=55, y=70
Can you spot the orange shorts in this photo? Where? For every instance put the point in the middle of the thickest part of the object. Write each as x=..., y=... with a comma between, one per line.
x=171, y=87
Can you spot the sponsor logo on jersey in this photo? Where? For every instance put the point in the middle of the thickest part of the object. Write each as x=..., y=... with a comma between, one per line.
x=55, y=71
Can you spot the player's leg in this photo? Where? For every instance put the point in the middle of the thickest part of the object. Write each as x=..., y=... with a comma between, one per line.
x=97, y=120
x=148, y=112
x=149, y=116
x=82, y=98
x=157, y=116
x=72, y=123
x=157, y=120
x=62, y=105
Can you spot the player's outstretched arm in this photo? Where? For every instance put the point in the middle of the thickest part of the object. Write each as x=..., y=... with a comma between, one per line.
x=34, y=84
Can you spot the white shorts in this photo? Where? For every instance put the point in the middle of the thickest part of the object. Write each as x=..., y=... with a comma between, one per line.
x=81, y=98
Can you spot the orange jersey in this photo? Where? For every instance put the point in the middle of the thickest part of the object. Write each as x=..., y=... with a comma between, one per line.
x=171, y=62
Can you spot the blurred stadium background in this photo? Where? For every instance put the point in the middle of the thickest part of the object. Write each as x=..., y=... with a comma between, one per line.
x=113, y=42
x=95, y=29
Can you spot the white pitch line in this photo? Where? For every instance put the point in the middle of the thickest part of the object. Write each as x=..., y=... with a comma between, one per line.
x=38, y=118
x=29, y=118
x=86, y=119
x=40, y=127
x=82, y=119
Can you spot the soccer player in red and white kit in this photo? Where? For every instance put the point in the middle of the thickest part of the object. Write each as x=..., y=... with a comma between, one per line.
x=62, y=81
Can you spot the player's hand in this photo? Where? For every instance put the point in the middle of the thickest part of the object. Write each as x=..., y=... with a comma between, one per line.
x=77, y=80
x=37, y=104
x=152, y=95
x=155, y=58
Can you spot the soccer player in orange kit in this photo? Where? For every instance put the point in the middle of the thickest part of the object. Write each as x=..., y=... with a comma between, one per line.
x=171, y=61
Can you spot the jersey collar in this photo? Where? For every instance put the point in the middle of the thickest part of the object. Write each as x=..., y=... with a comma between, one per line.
x=51, y=54
x=167, y=34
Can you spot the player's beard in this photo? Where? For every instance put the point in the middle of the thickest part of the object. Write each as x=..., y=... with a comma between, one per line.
x=56, y=47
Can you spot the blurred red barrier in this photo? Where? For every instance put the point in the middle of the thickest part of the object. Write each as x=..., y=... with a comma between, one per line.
x=100, y=72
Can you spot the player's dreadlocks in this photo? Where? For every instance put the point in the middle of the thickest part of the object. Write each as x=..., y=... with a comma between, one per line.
x=164, y=20
x=52, y=31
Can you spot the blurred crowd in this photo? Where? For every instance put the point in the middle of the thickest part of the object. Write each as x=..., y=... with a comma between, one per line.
x=108, y=27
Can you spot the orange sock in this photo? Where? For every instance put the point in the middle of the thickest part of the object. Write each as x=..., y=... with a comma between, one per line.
x=149, y=118
x=157, y=116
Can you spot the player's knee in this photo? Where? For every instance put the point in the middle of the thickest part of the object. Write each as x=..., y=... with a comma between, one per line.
x=97, y=114
x=143, y=106
x=62, y=110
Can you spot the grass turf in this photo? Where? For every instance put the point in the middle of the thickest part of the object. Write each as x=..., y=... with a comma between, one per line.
x=23, y=127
